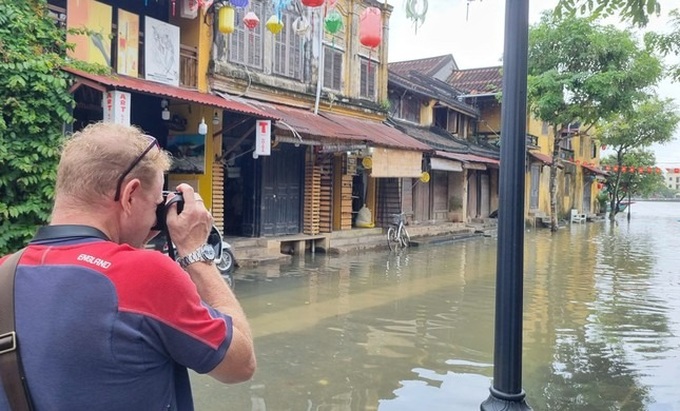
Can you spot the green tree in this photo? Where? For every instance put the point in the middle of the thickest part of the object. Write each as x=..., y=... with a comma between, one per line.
x=669, y=43
x=635, y=11
x=650, y=121
x=635, y=181
x=581, y=71
x=34, y=106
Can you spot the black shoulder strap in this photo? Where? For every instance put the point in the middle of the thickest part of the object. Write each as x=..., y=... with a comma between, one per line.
x=11, y=371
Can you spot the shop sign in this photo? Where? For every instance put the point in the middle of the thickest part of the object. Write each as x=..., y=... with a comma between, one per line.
x=116, y=106
x=263, y=137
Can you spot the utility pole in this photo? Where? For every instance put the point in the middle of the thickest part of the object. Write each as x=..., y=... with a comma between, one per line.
x=506, y=392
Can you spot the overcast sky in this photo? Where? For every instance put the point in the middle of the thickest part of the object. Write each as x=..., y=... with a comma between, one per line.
x=473, y=35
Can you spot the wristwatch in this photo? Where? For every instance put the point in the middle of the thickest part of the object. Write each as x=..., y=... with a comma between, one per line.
x=204, y=253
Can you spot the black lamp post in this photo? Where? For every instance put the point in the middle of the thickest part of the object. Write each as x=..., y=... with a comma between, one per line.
x=506, y=391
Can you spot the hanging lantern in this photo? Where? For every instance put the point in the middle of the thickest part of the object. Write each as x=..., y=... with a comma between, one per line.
x=676, y=170
x=301, y=26
x=658, y=170
x=606, y=168
x=624, y=169
x=250, y=20
x=225, y=19
x=239, y=3
x=649, y=170
x=641, y=169
x=274, y=24
x=599, y=186
x=370, y=27
x=616, y=168
x=333, y=22
x=313, y=3
x=577, y=161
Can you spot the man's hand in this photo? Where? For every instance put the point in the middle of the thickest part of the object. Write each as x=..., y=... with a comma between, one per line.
x=189, y=230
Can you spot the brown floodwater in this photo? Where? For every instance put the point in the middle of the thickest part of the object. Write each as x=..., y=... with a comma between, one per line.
x=414, y=331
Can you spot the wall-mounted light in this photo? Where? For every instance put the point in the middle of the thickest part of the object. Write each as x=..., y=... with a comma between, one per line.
x=216, y=119
x=202, y=127
x=165, y=113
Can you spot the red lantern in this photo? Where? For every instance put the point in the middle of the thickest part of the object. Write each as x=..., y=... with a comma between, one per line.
x=606, y=168
x=616, y=168
x=313, y=3
x=658, y=170
x=599, y=186
x=577, y=161
x=641, y=169
x=649, y=170
x=676, y=170
x=251, y=20
x=370, y=27
x=624, y=169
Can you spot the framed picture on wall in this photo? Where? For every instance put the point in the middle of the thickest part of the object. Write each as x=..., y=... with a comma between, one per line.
x=188, y=152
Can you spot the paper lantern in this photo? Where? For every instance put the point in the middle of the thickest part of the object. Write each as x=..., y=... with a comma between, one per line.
x=313, y=3
x=333, y=22
x=641, y=169
x=370, y=27
x=676, y=170
x=239, y=3
x=301, y=26
x=274, y=24
x=225, y=19
x=250, y=20
x=616, y=168
x=624, y=169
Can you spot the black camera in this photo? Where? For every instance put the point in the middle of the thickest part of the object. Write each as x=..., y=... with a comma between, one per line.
x=162, y=209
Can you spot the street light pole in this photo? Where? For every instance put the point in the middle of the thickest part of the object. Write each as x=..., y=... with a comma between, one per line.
x=506, y=391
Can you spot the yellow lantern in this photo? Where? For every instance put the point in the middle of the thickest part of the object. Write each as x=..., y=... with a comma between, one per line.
x=225, y=19
x=274, y=24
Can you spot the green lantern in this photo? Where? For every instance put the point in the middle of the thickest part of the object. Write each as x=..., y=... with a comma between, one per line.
x=333, y=22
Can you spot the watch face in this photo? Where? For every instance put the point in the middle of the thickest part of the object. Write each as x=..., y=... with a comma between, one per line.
x=208, y=253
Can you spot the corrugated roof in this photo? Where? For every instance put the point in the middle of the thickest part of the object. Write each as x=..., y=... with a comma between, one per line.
x=470, y=158
x=544, y=158
x=478, y=80
x=438, y=140
x=332, y=126
x=594, y=169
x=428, y=66
x=376, y=132
x=122, y=82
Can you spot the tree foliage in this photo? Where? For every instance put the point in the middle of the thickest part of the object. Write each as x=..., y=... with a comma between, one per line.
x=635, y=11
x=581, y=71
x=669, y=43
x=620, y=186
x=34, y=106
x=652, y=121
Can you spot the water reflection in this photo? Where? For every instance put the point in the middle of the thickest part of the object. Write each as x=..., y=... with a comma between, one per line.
x=414, y=331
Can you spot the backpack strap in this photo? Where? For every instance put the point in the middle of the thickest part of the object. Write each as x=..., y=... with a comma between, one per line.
x=11, y=371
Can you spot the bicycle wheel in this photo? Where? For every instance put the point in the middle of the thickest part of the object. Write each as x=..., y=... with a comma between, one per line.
x=393, y=241
x=404, y=238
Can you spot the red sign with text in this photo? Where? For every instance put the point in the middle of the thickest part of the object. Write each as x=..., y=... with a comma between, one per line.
x=263, y=137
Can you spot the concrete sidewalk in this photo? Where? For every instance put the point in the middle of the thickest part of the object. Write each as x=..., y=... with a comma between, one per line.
x=251, y=252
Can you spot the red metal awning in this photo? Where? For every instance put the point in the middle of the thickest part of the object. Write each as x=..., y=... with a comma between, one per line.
x=544, y=158
x=469, y=158
x=121, y=82
x=594, y=170
x=376, y=132
x=331, y=126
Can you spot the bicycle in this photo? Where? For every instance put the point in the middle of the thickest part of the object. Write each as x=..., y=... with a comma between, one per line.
x=397, y=235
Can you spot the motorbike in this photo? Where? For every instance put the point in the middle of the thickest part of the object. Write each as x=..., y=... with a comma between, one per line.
x=224, y=254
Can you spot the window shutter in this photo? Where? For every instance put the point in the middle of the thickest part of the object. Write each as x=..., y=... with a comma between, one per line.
x=364, y=79
x=337, y=70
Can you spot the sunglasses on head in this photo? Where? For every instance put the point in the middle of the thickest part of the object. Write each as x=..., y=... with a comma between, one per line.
x=153, y=143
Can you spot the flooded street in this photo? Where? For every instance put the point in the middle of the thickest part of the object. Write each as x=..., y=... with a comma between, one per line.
x=414, y=331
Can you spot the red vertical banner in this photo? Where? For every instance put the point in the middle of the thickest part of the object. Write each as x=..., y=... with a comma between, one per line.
x=263, y=137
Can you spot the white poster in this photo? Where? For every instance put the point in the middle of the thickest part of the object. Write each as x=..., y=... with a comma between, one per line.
x=263, y=137
x=116, y=106
x=161, y=51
